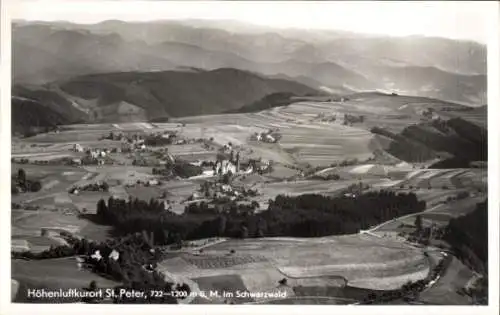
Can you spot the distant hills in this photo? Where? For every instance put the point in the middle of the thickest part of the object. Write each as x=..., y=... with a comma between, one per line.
x=432, y=67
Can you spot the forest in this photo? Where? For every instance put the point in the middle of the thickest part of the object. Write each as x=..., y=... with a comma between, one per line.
x=457, y=141
x=468, y=236
x=309, y=215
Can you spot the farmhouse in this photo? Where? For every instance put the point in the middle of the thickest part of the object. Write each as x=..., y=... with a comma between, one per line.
x=153, y=182
x=114, y=255
x=259, y=166
x=96, y=255
x=271, y=136
x=226, y=188
x=77, y=148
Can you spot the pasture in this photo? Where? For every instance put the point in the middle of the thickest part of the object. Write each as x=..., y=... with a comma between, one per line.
x=27, y=224
x=52, y=274
x=444, y=292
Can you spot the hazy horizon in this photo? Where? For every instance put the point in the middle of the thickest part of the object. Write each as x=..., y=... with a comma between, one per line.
x=453, y=20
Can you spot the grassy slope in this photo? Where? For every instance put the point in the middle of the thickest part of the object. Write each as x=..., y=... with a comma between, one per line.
x=153, y=94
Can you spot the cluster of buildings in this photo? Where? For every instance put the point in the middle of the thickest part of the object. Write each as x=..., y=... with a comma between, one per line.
x=220, y=190
x=270, y=136
x=429, y=114
x=92, y=156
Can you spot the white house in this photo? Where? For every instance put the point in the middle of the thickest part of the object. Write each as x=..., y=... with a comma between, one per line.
x=226, y=188
x=96, y=255
x=208, y=172
x=153, y=182
x=270, y=138
x=77, y=148
x=114, y=255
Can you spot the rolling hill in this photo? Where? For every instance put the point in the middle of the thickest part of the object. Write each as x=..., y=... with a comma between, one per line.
x=129, y=96
x=30, y=117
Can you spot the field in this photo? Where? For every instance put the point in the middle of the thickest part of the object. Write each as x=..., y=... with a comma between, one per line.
x=444, y=292
x=53, y=274
x=258, y=265
x=447, y=179
x=27, y=224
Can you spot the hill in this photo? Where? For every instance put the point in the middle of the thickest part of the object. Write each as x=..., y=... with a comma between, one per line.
x=456, y=140
x=49, y=54
x=129, y=96
x=35, y=109
x=429, y=82
x=30, y=117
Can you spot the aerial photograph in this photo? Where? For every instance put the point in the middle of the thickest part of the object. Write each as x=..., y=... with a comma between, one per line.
x=211, y=154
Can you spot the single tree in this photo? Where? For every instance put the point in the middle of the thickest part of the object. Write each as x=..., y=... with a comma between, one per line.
x=21, y=176
x=244, y=232
x=418, y=223
x=35, y=186
x=283, y=281
x=93, y=285
x=102, y=209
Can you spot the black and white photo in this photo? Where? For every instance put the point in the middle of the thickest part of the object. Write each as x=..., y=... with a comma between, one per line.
x=257, y=153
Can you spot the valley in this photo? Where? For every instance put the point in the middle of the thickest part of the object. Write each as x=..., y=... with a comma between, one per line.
x=312, y=156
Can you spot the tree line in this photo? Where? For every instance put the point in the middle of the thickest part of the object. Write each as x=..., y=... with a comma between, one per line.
x=179, y=168
x=468, y=236
x=309, y=215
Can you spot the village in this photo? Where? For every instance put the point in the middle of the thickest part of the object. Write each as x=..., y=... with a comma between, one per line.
x=152, y=152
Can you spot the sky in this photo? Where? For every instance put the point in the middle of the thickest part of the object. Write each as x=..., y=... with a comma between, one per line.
x=457, y=20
